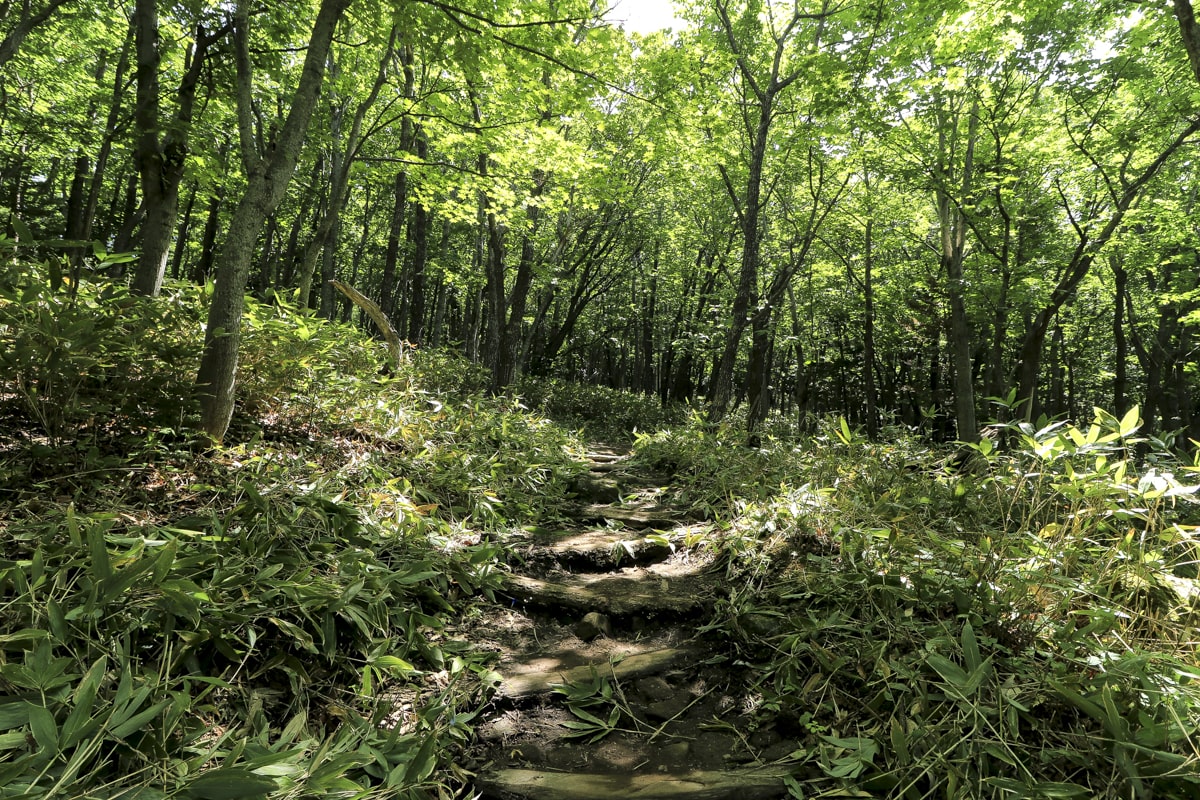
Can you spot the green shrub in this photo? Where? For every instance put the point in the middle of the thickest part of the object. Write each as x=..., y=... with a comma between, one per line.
x=601, y=412
x=76, y=355
x=1020, y=626
x=255, y=651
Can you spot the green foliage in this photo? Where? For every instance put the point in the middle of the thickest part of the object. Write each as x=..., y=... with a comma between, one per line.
x=600, y=412
x=74, y=351
x=147, y=655
x=1017, y=628
x=267, y=619
x=289, y=357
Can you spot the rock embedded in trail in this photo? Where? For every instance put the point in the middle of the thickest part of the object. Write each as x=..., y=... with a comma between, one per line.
x=593, y=548
x=742, y=784
x=543, y=674
x=634, y=517
x=592, y=626
x=631, y=592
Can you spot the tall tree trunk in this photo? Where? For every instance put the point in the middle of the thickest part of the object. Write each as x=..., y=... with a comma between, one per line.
x=106, y=143
x=868, y=365
x=745, y=298
x=161, y=160
x=1120, y=345
x=420, y=260
x=761, y=96
x=181, y=237
x=267, y=177
x=953, y=254
x=391, y=259
x=208, y=239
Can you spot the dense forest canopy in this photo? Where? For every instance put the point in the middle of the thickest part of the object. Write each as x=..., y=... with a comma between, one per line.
x=932, y=213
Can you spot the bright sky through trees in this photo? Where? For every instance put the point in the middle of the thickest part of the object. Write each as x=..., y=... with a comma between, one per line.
x=644, y=16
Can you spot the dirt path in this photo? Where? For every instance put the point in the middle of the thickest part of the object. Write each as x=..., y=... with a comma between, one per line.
x=611, y=687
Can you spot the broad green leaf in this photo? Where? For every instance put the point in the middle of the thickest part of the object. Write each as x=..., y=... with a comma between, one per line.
x=949, y=671
x=970, y=646
x=1130, y=422
x=421, y=767
x=101, y=565
x=229, y=783
x=14, y=714
x=12, y=741
x=45, y=731
x=139, y=720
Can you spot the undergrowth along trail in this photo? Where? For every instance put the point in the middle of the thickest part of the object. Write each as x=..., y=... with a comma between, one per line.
x=290, y=614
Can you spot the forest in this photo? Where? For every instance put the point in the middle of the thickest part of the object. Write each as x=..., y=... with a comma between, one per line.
x=811, y=385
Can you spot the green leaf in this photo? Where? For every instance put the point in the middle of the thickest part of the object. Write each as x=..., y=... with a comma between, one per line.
x=417, y=577
x=139, y=720
x=1130, y=422
x=229, y=784
x=25, y=635
x=98, y=547
x=421, y=767
x=24, y=234
x=12, y=741
x=14, y=714
x=45, y=732
x=85, y=700
x=587, y=716
x=301, y=636
x=970, y=646
x=950, y=672
x=394, y=663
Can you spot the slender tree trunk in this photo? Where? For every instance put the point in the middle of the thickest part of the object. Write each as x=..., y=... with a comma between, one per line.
x=745, y=298
x=954, y=248
x=868, y=365
x=420, y=260
x=267, y=180
x=1120, y=345
x=181, y=238
x=161, y=160
x=106, y=143
x=208, y=239
x=391, y=258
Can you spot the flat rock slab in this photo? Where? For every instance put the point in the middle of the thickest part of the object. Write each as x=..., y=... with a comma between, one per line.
x=605, y=466
x=541, y=674
x=634, y=517
x=743, y=784
x=600, y=547
x=606, y=456
x=619, y=594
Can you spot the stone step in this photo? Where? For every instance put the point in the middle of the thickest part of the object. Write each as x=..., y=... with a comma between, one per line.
x=596, y=488
x=540, y=674
x=634, y=517
x=605, y=456
x=598, y=549
x=659, y=588
x=757, y=783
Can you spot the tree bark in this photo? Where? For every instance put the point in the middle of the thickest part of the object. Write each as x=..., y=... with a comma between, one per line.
x=267, y=179
x=161, y=161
